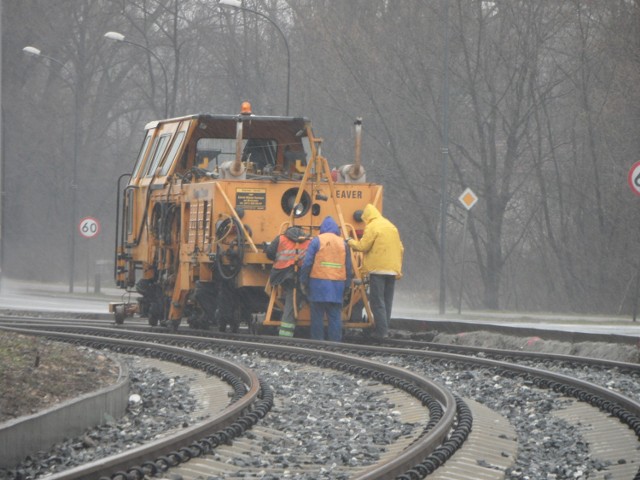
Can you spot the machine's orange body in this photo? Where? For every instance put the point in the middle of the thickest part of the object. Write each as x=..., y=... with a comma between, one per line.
x=207, y=194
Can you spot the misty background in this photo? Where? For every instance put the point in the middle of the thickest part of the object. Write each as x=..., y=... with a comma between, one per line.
x=533, y=104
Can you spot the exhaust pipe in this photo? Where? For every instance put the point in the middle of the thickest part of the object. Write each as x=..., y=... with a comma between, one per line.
x=354, y=173
x=234, y=168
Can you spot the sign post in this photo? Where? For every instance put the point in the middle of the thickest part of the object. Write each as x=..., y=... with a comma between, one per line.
x=468, y=199
x=633, y=179
x=89, y=227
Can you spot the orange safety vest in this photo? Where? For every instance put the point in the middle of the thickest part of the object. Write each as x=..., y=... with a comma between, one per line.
x=289, y=252
x=330, y=258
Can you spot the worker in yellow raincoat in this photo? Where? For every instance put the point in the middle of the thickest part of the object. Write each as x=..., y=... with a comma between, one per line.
x=382, y=262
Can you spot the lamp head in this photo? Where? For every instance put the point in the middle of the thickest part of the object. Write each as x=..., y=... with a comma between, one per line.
x=118, y=37
x=230, y=3
x=31, y=50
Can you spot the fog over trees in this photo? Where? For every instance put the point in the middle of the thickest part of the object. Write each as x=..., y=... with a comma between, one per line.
x=542, y=117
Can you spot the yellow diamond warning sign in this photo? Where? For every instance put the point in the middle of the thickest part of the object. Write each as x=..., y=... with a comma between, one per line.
x=468, y=198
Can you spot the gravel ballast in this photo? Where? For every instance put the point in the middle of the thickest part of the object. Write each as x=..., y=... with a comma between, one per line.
x=321, y=415
x=157, y=403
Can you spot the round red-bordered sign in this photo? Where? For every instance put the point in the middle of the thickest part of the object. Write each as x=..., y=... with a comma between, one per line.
x=89, y=227
x=634, y=178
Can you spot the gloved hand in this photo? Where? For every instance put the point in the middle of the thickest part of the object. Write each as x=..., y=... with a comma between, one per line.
x=357, y=281
x=304, y=289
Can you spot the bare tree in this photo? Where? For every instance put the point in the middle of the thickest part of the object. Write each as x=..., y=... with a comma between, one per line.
x=543, y=112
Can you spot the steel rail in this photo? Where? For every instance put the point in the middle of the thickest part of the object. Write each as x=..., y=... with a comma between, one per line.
x=625, y=402
x=499, y=353
x=621, y=406
x=150, y=451
x=428, y=442
x=628, y=403
x=399, y=343
x=632, y=405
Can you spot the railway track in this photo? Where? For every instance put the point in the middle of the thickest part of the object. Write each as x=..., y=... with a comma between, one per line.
x=605, y=418
x=439, y=402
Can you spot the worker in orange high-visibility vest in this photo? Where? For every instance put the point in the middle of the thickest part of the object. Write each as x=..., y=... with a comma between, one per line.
x=325, y=273
x=287, y=252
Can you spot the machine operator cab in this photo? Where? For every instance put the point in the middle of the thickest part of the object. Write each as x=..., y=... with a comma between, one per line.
x=247, y=144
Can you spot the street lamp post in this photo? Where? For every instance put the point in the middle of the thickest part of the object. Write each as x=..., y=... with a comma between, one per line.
x=118, y=37
x=237, y=4
x=74, y=186
x=2, y=196
x=444, y=201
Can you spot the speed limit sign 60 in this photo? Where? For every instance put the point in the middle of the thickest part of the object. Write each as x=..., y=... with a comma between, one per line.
x=89, y=227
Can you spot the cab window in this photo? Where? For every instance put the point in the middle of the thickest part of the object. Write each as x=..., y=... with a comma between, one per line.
x=261, y=153
x=159, y=152
x=143, y=150
x=171, y=156
x=219, y=150
x=211, y=152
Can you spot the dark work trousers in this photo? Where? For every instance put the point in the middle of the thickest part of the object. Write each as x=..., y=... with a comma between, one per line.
x=334, y=317
x=381, y=300
x=288, y=321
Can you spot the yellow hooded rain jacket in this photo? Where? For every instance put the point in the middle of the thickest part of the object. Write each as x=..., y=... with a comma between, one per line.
x=381, y=244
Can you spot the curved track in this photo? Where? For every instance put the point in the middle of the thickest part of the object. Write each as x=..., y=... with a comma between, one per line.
x=449, y=424
x=443, y=408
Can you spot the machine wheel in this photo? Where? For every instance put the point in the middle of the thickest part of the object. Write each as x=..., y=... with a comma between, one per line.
x=119, y=314
x=153, y=320
x=156, y=313
x=203, y=303
x=233, y=323
x=254, y=324
x=236, y=319
x=198, y=320
x=226, y=317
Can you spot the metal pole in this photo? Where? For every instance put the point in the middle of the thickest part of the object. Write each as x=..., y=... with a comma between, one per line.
x=635, y=300
x=464, y=244
x=2, y=172
x=164, y=73
x=76, y=138
x=118, y=37
x=74, y=189
x=286, y=44
x=2, y=198
x=445, y=154
x=284, y=38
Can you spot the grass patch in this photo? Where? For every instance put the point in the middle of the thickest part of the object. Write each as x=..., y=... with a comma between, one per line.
x=36, y=373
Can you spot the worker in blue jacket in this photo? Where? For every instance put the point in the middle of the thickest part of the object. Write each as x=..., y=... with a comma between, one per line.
x=325, y=273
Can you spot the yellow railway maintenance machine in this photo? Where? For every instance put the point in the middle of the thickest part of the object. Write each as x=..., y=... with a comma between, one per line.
x=206, y=196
